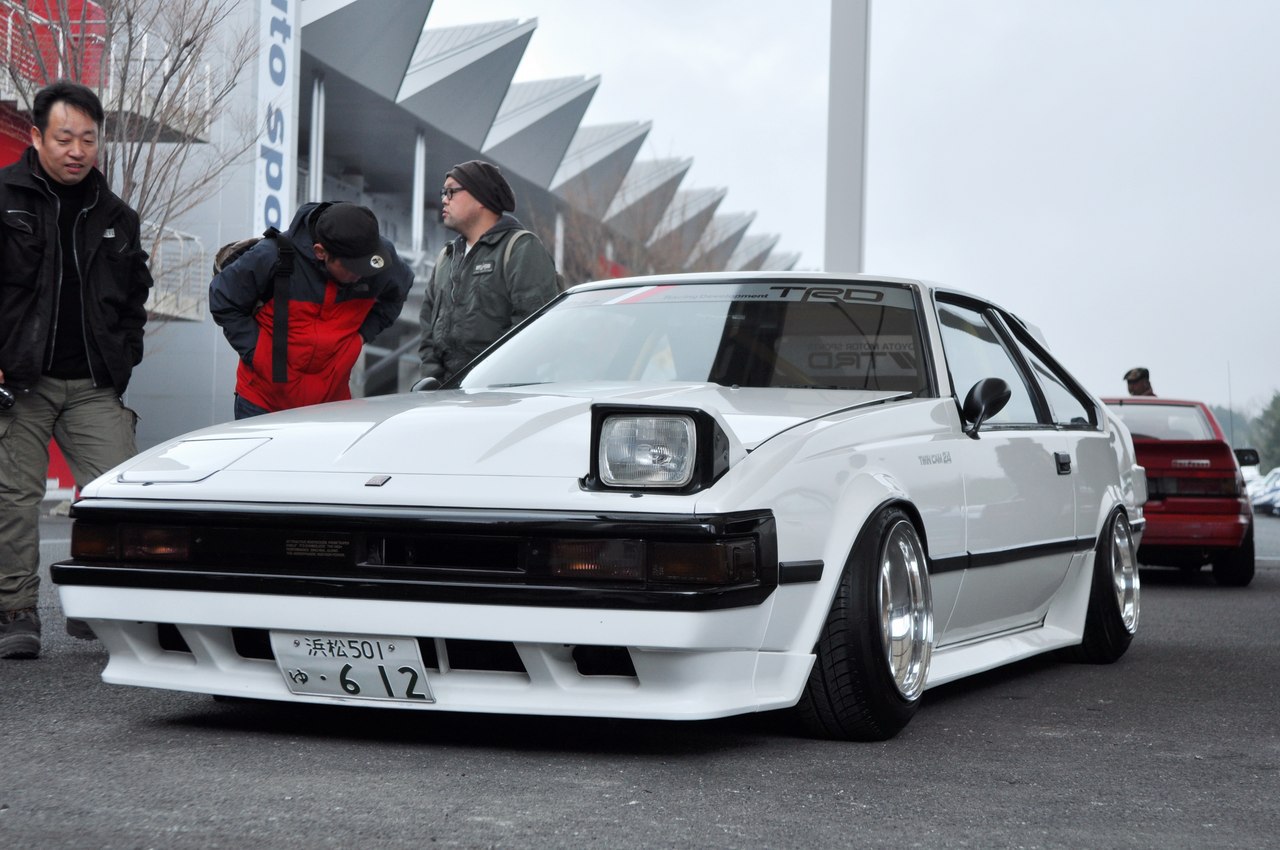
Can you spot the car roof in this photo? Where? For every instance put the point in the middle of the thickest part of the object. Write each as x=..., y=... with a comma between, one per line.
x=747, y=277
x=1147, y=399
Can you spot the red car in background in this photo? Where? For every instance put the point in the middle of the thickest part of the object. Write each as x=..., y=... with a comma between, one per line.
x=1197, y=508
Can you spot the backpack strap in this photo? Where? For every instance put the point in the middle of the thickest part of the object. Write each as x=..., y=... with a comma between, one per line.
x=506, y=253
x=280, y=276
x=506, y=258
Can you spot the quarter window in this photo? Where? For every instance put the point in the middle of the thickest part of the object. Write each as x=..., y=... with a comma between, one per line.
x=1064, y=406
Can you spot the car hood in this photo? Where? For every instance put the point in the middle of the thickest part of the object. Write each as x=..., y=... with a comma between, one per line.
x=523, y=431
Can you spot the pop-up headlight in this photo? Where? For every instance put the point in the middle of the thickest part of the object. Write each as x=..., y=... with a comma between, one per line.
x=668, y=450
x=647, y=450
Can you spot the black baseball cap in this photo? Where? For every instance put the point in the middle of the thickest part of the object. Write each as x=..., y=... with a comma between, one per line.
x=350, y=233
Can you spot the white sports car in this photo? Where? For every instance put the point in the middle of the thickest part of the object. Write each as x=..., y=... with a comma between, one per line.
x=669, y=497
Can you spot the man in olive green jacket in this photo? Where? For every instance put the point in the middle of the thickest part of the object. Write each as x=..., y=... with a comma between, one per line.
x=488, y=279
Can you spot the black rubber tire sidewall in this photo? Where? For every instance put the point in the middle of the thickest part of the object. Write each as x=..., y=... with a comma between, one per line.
x=851, y=693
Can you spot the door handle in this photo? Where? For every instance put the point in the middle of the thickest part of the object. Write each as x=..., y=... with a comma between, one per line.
x=1064, y=462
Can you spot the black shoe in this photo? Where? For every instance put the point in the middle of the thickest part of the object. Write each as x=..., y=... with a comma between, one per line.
x=20, y=633
x=80, y=630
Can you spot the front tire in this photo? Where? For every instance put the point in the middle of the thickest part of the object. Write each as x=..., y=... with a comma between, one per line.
x=874, y=650
x=1235, y=568
x=1114, y=596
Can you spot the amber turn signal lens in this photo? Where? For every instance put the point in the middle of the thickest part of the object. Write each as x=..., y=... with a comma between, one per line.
x=147, y=543
x=94, y=542
x=605, y=560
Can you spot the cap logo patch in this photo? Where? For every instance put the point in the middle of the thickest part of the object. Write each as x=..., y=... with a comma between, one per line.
x=376, y=261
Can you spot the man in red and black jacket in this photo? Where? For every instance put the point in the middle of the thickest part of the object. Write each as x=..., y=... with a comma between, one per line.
x=300, y=333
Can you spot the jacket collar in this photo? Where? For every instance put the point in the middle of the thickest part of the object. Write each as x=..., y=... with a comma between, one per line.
x=492, y=236
x=28, y=173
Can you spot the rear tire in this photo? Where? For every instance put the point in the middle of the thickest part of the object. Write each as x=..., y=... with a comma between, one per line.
x=1114, y=596
x=1235, y=568
x=874, y=650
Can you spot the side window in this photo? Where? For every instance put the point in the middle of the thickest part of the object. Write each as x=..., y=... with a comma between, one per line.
x=974, y=351
x=1065, y=408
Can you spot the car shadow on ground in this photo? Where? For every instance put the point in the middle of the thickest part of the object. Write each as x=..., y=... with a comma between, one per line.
x=587, y=735
x=606, y=735
x=484, y=731
x=1179, y=577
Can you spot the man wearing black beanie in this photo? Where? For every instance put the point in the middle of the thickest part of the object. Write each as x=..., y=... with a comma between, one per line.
x=488, y=279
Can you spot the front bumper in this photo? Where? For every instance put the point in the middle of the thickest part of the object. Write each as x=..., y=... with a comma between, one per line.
x=675, y=665
x=495, y=630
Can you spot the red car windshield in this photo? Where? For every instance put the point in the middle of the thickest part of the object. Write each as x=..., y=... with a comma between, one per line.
x=1165, y=421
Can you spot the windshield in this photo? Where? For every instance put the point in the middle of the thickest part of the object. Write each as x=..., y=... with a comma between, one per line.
x=1165, y=421
x=864, y=337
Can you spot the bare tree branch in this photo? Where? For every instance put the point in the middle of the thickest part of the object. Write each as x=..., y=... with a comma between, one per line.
x=166, y=71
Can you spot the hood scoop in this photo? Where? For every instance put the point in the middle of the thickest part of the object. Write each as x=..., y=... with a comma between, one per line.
x=190, y=460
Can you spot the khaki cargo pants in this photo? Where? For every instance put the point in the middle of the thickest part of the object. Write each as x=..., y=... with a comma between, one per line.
x=94, y=430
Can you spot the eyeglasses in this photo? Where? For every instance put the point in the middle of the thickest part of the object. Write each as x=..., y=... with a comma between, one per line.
x=447, y=193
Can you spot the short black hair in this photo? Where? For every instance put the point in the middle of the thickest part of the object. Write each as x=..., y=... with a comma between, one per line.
x=72, y=94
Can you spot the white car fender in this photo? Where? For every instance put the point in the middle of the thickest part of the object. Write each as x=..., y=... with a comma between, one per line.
x=800, y=610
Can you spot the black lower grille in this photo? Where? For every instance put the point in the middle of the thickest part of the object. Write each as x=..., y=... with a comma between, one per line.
x=170, y=639
x=603, y=661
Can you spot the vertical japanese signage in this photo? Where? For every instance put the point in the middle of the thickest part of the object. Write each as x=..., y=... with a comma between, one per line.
x=278, y=71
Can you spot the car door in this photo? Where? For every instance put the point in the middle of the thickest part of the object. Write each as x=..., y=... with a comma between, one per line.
x=1078, y=419
x=1019, y=494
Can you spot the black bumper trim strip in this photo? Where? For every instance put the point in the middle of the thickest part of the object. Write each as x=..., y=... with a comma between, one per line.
x=799, y=572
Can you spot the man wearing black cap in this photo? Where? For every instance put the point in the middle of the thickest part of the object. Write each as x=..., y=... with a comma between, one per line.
x=299, y=331
x=491, y=277
x=1139, y=381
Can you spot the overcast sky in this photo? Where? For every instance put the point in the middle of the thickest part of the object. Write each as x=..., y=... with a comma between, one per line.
x=1109, y=169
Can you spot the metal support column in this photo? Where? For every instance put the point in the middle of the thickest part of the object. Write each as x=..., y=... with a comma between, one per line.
x=315, y=177
x=419, y=220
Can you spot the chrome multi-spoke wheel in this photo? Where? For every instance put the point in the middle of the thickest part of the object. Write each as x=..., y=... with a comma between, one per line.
x=874, y=649
x=1114, y=599
x=906, y=610
x=1124, y=573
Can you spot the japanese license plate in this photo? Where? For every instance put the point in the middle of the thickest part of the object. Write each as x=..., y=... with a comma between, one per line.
x=373, y=667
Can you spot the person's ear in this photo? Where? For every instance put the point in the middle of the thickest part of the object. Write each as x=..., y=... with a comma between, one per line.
x=321, y=253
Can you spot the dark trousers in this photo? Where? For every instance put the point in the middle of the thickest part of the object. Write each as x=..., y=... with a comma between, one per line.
x=245, y=409
x=95, y=432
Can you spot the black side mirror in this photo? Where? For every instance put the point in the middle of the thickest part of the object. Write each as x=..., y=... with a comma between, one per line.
x=985, y=399
x=1248, y=457
x=426, y=384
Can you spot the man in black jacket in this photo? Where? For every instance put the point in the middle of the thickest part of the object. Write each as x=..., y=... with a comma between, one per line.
x=73, y=289
x=487, y=280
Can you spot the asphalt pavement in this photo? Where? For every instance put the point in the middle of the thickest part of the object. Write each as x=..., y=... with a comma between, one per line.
x=1173, y=746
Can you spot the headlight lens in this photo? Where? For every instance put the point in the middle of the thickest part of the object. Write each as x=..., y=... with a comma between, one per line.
x=647, y=451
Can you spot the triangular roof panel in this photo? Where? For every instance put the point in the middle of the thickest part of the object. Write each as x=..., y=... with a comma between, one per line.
x=783, y=262
x=369, y=41
x=751, y=252
x=596, y=163
x=682, y=226
x=719, y=241
x=458, y=76
x=537, y=123
x=645, y=195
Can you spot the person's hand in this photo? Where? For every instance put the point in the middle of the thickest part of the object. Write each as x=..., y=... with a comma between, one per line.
x=1, y=376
